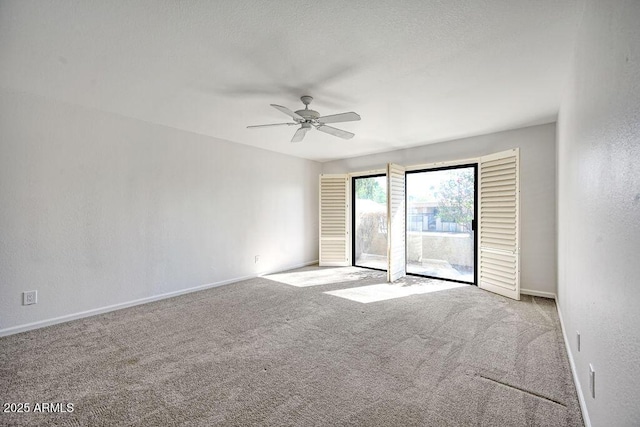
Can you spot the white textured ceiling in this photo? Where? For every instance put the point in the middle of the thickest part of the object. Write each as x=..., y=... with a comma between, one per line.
x=416, y=71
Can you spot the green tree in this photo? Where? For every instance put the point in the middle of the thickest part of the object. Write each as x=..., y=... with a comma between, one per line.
x=370, y=189
x=455, y=197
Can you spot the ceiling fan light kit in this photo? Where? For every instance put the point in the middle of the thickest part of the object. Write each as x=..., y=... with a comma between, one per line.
x=308, y=119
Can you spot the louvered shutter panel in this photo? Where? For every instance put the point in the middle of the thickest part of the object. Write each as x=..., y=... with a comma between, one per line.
x=334, y=220
x=396, y=229
x=499, y=246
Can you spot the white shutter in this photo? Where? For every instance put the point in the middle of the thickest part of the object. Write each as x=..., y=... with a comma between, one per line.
x=396, y=230
x=334, y=220
x=499, y=246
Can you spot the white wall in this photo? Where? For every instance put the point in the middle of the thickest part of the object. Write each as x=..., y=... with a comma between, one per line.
x=599, y=210
x=537, y=189
x=97, y=210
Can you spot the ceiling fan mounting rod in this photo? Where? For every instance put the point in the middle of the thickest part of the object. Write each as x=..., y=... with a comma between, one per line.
x=306, y=100
x=308, y=116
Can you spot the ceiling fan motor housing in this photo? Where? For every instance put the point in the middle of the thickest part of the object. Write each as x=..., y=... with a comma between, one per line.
x=308, y=114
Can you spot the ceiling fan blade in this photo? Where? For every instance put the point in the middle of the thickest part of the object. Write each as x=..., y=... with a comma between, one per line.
x=287, y=111
x=274, y=124
x=335, y=132
x=342, y=117
x=299, y=135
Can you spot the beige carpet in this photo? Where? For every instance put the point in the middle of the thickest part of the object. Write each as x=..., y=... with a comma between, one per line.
x=280, y=351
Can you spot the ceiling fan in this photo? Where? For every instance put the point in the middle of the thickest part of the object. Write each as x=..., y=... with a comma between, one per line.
x=309, y=118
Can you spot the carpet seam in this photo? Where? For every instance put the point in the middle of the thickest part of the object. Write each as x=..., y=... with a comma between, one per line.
x=533, y=393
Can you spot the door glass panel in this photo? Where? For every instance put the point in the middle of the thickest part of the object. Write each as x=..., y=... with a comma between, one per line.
x=370, y=222
x=440, y=211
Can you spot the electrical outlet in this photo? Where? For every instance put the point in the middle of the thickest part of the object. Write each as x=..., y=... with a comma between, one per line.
x=578, y=339
x=592, y=380
x=29, y=297
x=257, y=259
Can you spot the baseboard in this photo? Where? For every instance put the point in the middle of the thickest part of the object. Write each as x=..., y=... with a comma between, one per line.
x=574, y=372
x=88, y=313
x=538, y=293
x=292, y=267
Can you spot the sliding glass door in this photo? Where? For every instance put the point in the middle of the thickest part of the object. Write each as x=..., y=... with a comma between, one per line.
x=370, y=222
x=441, y=207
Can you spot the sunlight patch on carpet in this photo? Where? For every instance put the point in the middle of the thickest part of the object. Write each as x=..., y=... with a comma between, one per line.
x=322, y=276
x=386, y=291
